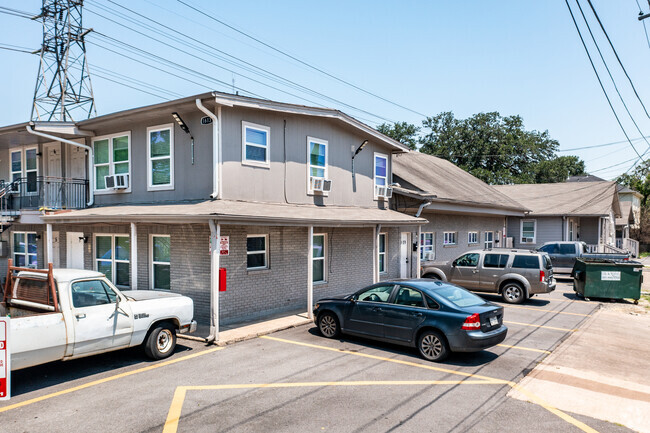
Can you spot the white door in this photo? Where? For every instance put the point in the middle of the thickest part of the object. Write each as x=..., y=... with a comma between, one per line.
x=77, y=166
x=75, y=250
x=52, y=185
x=404, y=255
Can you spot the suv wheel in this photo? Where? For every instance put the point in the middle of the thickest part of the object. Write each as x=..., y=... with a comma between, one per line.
x=513, y=293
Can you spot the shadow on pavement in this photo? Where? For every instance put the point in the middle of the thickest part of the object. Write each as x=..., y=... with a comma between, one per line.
x=55, y=373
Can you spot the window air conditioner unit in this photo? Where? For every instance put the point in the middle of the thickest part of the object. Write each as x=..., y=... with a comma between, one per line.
x=320, y=184
x=429, y=256
x=528, y=240
x=117, y=181
x=383, y=191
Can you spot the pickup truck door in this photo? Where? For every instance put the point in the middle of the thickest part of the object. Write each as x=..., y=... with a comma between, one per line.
x=465, y=272
x=567, y=256
x=553, y=251
x=100, y=322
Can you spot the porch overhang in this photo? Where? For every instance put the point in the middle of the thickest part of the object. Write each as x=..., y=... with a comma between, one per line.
x=239, y=213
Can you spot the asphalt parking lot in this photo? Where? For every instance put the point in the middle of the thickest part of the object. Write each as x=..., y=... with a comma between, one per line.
x=296, y=380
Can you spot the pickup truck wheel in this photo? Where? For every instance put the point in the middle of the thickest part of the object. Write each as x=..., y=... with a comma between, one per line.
x=513, y=293
x=161, y=342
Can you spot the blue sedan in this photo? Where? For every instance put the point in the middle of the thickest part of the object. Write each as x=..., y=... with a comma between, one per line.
x=434, y=316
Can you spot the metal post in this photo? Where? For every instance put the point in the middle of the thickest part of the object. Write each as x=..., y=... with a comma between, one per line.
x=49, y=242
x=134, y=257
x=310, y=274
x=417, y=252
x=215, y=236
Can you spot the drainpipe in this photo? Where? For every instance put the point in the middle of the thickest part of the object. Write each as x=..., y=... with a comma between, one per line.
x=422, y=206
x=215, y=235
x=417, y=253
x=134, y=257
x=91, y=175
x=310, y=273
x=49, y=243
x=216, y=149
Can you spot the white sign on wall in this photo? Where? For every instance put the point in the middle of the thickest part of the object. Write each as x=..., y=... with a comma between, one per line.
x=610, y=275
x=5, y=360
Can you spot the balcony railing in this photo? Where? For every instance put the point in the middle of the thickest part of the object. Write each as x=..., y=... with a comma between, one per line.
x=43, y=192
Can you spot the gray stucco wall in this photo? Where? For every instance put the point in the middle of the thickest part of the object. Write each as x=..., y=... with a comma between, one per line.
x=547, y=229
x=589, y=230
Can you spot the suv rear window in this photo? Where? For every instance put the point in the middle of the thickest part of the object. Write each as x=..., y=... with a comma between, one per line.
x=526, y=262
x=495, y=260
x=567, y=249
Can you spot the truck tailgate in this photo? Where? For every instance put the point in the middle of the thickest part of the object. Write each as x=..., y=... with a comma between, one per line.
x=37, y=339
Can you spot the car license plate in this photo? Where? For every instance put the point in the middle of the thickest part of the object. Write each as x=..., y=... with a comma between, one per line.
x=494, y=321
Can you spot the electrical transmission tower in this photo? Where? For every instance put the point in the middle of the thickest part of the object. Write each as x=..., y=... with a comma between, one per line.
x=63, y=90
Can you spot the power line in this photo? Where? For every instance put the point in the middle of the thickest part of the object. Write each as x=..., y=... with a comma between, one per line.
x=602, y=145
x=8, y=48
x=598, y=76
x=617, y=57
x=301, y=61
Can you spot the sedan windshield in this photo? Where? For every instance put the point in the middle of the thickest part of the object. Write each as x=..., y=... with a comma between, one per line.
x=460, y=297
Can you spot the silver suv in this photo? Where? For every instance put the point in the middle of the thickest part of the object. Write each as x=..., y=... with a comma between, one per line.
x=515, y=274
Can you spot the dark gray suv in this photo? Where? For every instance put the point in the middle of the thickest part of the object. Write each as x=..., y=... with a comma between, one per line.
x=515, y=274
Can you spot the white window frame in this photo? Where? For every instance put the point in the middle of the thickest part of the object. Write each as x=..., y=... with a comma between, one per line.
x=380, y=253
x=150, y=159
x=26, y=253
x=427, y=248
x=446, y=240
x=248, y=125
x=521, y=232
x=374, y=173
x=113, y=259
x=486, y=242
x=152, y=284
x=23, y=168
x=310, y=140
x=265, y=252
x=324, y=259
x=469, y=238
x=111, y=164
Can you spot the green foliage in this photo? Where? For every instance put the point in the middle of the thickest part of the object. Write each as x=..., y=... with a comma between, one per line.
x=405, y=133
x=638, y=180
x=496, y=149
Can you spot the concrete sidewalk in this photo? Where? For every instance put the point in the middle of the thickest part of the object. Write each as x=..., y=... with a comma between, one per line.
x=601, y=370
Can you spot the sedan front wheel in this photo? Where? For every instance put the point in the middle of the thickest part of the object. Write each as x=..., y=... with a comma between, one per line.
x=328, y=325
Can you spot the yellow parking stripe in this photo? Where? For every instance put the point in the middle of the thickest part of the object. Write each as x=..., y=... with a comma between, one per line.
x=524, y=348
x=174, y=414
x=540, y=326
x=533, y=397
x=107, y=379
x=547, y=311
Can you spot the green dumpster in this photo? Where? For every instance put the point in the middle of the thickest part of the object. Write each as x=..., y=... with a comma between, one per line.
x=601, y=278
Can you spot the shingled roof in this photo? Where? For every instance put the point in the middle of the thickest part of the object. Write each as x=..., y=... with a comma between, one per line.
x=439, y=180
x=566, y=198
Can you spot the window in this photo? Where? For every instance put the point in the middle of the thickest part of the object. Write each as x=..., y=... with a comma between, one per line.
x=528, y=231
x=381, y=171
x=112, y=256
x=568, y=249
x=469, y=260
x=382, y=253
x=112, y=156
x=255, y=144
x=495, y=261
x=24, y=249
x=317, y=161
x=526, y=262
x=472, y=238
x=90, y=293
x=489, y=240
x=24, y=165
x=160, y=262
x=410, y=297
x=160, y=157
x=319, y=254
x=460, y=297
x=256, y=252
x=550, y=249
x=449, y=238
x=376, y=294
x=427, y=251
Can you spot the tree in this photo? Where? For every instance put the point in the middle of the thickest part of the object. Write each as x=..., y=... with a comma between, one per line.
x=558, y=169
x=405, y=133
x=638, y=180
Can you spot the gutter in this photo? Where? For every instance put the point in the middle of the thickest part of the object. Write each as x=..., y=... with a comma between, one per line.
x=422, y=206
x=91, y=158
x=216, y=150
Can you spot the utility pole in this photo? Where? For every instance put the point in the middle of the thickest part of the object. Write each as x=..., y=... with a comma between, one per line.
x=63, y=89
x=643, y=16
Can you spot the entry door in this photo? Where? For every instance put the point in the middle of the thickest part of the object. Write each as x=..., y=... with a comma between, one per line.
x=52, y=185
x=77, y=166
x=404, y=255
x=75, y=250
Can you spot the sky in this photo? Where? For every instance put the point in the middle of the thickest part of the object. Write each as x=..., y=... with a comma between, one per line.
x=518, y=57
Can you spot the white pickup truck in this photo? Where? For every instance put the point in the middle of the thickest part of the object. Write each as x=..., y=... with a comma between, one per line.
x=62, y=314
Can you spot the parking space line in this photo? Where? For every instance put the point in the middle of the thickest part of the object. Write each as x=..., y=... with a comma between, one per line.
x=547, y=311
x=530, y=349
x=536, y=400
x=107, y=379
x=540, y=326
x=175, y=410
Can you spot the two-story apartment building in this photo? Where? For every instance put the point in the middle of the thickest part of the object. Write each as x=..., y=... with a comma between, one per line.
x=290, y=200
